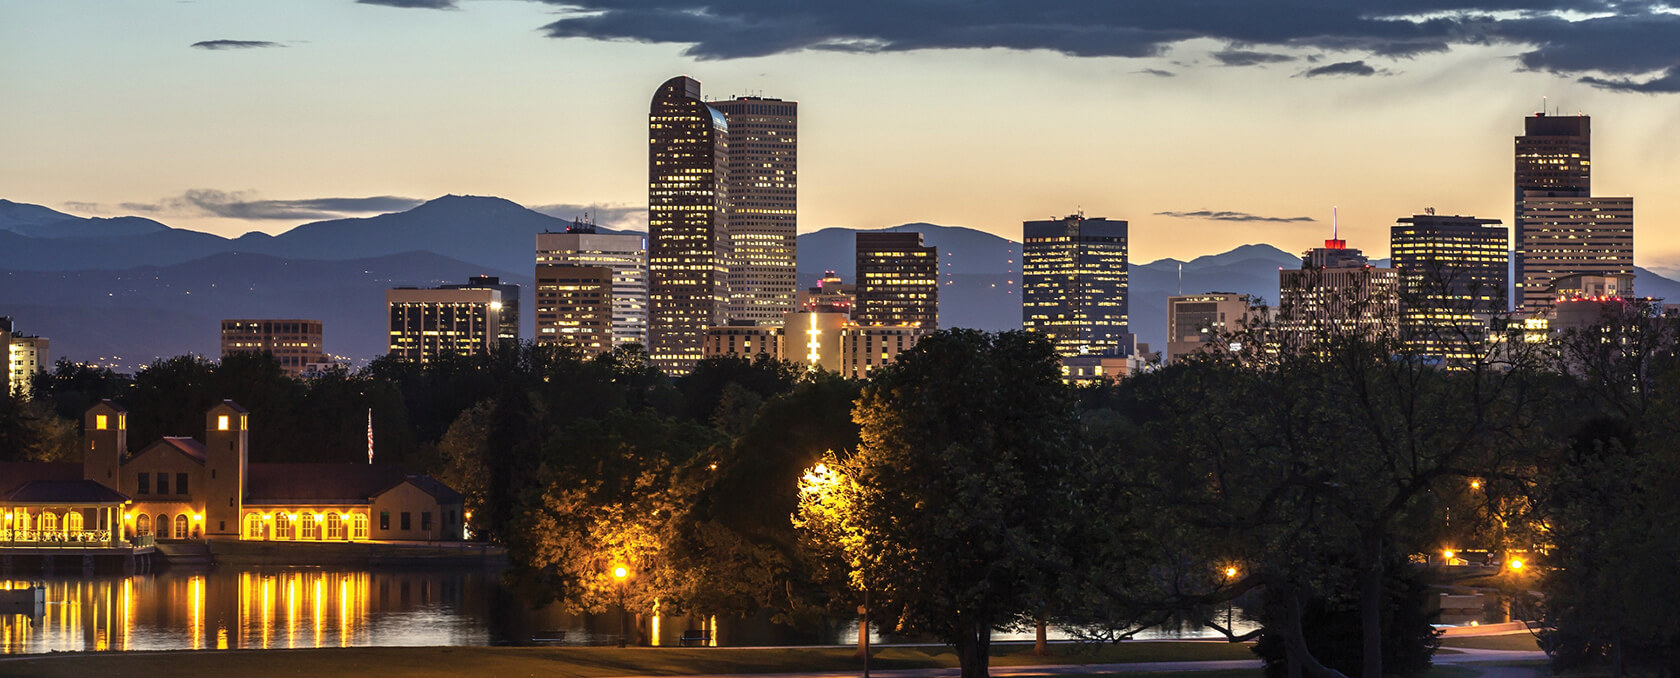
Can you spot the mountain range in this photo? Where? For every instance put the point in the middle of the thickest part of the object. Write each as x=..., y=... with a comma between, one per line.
x=126, y=290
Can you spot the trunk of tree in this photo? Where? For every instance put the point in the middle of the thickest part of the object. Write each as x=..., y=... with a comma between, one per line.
x=1041, y=643
x=1370, y=607
x=1301, y=660
x=974, y=647
x=863, y=632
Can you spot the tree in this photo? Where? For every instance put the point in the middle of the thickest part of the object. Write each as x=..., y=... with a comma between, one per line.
x=959, y=491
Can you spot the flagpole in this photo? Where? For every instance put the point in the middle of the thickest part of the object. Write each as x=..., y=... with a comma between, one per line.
x=370, y=436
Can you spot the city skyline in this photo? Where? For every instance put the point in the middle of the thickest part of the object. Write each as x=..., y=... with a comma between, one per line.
x=408, y=122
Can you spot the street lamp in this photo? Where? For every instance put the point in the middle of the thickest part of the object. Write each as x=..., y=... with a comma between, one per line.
x=622, y=574
x=1231, y=573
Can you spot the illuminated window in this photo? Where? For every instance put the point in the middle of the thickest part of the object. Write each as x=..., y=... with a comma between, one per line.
x=222, y=422
x=335, y=526
x=100, y=422
x=359, y=526
x=282, y=526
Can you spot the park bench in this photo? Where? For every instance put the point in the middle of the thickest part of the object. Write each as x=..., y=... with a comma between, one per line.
x=696, y=637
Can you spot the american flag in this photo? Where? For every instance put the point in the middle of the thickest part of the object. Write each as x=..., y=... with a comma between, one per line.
x=370, y=435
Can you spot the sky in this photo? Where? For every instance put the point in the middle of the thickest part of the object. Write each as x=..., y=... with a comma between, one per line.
x=1205, y=123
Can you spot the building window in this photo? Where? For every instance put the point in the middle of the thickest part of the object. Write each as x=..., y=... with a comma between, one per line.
x=180, y=483
x=222, y=423
x=425, y=521
x=282, y=526
x=143, y=525
x=406, y=524
x=143, y=484
x=163, y=485
x=49, y=522
x=253, y=526
x=181, y=526
x=359, y=526
x=385, y=520
x=335, y=527
x=310, y=530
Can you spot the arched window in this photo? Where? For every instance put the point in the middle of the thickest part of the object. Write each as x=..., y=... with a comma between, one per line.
x=310, y=529
x=163, y=526
x=143, y=525
x=359, y=526
x=73, y=521
x=49, y=521
x=282, y=526
x=253, y=526
x=181, y=526
x=335, y=527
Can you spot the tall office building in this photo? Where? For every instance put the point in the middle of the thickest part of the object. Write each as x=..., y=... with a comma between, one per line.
x=897, y=280
x=1560, y=228
x=1566, y=236
x=1453, y=280
x=26, y=356
x=1337, y=293
x=425, y=324
x=1194, y=320
x=688, y=238
x=763, y=192
x=294, y=342
x=625, y=255
x=509, y=310
x=575, y=307
x=1073, y=284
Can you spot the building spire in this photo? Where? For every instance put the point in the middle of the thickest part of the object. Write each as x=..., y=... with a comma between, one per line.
x=1335, y=242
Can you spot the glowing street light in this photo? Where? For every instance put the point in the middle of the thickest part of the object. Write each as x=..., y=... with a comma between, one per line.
x=1515, y=564
x=622, y=574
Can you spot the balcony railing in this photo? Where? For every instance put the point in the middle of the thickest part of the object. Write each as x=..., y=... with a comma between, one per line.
x=69, y=539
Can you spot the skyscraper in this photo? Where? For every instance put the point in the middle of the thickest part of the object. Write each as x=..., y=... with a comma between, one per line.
x=1337, y=293
x=1560, y=228
x=575, y=306
x=624, y=254
x=1453, y=280
x=897, y=280
x=688, y=239
x=1074, y=284
x=508, y=312
x=428, y=323
x=763, y=192
x=25, y=357
x=1567, y=236
x=295, y=343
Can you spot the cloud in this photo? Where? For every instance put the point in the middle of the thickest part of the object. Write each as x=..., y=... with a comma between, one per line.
x=1237, y=57
x=1157, y=73
x=1231, y=216
x=234, y=44
x=1359, y=68
x=1666, y=83
x=1603, y=39
x=411, y=4
x=246, y=205
x=613, y=216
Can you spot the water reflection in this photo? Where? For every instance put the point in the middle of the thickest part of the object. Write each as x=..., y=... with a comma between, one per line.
x=278, y=608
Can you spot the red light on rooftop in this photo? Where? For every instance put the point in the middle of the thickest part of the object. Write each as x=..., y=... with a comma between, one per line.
x=1335, y=244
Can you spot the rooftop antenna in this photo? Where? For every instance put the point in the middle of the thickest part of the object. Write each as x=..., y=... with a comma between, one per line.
x=1181, y=278
x=1542, y=105
x=1335, y=242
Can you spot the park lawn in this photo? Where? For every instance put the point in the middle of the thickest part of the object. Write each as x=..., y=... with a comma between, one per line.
x=1507, y=641
x=451, y=662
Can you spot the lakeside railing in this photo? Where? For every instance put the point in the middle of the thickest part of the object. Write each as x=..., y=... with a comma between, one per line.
x=69, y=539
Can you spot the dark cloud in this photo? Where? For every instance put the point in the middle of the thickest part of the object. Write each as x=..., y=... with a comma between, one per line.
x=411, y=4
x=1237, y=57
x=1359, y=68
x=1223, y=215
x=245, y=205
x=1157, y=73
x=1667, y=83
x=617, y=217
x=235, y=44
x=1625, y=38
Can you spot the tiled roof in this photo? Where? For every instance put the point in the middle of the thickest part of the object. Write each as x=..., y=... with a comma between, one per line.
x=64, y=492
x=14, y=474
x=284, y=484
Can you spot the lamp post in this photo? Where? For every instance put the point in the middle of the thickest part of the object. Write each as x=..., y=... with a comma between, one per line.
x=1230, y=574
x=622, y=574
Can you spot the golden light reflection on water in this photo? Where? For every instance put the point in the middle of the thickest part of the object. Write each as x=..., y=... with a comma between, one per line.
x=264, y=610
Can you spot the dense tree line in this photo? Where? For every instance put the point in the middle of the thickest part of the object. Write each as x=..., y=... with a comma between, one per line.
x=965, y=489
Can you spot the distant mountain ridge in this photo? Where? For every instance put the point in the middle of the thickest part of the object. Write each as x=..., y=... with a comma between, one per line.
x=131, y=289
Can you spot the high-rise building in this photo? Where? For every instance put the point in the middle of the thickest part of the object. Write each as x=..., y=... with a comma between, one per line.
x=830, y=294
x=294, y=342
x=1074, y=286
x=688, y=238
x=1554, y=157
x=1453, y=280
x=1567, y=236
x=763, y=191
x=825, y=339
x=1337, y=293
x=428, y=323
x=509, y=299
x=1194, y=320
x=625, y=255
x=575, y=306
x=26, y=356
x=897, y=281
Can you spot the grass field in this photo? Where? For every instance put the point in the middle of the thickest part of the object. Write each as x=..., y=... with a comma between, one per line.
x=1509, y=641
x=452, y=662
